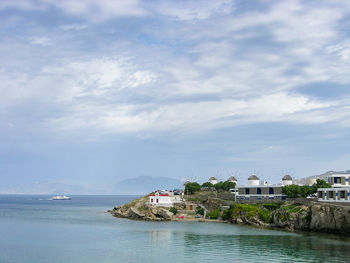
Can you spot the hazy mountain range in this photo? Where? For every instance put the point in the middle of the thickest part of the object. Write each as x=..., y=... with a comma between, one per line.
x=137, y=185
x=134, y=186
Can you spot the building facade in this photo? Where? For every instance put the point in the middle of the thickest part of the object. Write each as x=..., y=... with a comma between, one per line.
x=339, y=190
x=164, y=198
x=257, y=191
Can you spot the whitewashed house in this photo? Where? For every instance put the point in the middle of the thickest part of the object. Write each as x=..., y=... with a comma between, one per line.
x=164, y=198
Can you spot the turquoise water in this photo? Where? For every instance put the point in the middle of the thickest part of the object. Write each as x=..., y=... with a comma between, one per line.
x=36, y=230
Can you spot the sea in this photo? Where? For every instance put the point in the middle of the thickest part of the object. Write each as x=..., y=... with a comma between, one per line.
x=34, y=229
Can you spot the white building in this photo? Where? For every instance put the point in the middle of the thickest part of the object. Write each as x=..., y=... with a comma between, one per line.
x=232, y=179
x=339, y=190
x=287, y=180
x=253, y=180
x=164, y=198
x=213, y=180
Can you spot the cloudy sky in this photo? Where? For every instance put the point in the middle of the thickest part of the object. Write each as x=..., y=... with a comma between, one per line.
x=96, y=91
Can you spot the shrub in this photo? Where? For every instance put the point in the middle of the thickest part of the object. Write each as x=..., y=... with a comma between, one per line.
x=200, y=210
x=272, y=206
x=173, y=210
x=214, y=214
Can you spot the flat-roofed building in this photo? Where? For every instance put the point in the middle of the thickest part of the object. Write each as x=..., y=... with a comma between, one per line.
x=256, y=191
x=339, y=190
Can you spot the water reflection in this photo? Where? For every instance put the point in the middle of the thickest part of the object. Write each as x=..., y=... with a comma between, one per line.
x=267, y=248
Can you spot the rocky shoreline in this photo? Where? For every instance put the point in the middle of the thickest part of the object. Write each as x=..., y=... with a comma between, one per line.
x=292, y=215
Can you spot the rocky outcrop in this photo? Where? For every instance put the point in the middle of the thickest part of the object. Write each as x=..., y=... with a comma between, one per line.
x=292, y=215
x=140, y=210
x=330, y=218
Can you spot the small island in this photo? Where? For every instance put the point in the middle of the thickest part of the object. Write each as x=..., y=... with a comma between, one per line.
x=285, y=206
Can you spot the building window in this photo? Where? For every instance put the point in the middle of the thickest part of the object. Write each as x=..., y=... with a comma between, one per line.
x=157, y=200
x=151, y=200
x=247, y=191
x=271, y=191
x=331, y=194
x=342, y=194
x=258, y=191
x=337, y=180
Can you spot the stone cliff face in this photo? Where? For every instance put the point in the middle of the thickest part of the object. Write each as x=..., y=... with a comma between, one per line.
x=311, y=216
x=330, y=218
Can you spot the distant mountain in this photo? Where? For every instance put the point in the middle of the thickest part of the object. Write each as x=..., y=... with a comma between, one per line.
x=323, y=176
x=146, y=184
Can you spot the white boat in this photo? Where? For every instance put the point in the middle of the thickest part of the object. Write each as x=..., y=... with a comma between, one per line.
x=60, y=197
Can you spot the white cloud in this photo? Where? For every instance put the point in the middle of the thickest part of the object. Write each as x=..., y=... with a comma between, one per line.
x=92, y=10
x=191, y=116
x=194, y=10
x=41, y=41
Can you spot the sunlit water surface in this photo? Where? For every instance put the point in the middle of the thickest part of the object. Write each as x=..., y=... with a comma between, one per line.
x=36, y=230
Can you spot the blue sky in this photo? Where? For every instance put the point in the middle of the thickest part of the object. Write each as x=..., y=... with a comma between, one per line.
x=97, y=91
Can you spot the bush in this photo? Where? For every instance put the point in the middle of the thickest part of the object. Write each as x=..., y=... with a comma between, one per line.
x=200, y=210
x=191, y=188
x=214, y=214
x=173, y=210
x=272, y=206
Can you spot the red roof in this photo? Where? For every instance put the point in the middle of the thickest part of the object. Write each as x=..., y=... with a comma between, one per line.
x=159, y=195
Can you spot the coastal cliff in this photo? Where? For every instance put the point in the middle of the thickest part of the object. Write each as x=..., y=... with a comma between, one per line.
x=294, y=215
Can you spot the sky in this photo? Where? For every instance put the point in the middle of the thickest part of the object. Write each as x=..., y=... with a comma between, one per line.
x=94, y=92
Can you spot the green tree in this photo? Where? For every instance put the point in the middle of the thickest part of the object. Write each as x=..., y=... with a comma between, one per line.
x=207, y=184
x=191, y=188
x=305, y=190
x=292, y=191
x=319, y=184
x=227, y=185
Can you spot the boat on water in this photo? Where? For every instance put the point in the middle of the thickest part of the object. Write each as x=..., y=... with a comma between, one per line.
x=60, y=197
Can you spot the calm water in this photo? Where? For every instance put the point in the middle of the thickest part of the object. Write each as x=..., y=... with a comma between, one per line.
x=36, y=230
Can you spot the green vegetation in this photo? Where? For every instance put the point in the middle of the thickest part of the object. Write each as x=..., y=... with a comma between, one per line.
x=214, y=214
x=249, y=211
x=200, y=210
x=207, y=184
x=320, y=184
x=225, y=186
x=173, y=210
x=191, y=188
x=295, y=191
x=272, y=206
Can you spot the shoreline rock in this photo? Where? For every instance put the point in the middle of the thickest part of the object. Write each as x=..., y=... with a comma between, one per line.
x=309, y=216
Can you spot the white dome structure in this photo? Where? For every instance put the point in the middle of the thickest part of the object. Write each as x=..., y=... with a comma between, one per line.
x=232, y=179
x=287, y=180
x=253, y=180
x=213, y=180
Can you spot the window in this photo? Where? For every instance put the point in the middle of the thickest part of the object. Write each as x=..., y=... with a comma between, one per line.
x=271, y=191
x=342, y=194
x=337, y=180
x=157, y=200
x=151, y=200
x=247, y=190
x=258, y=191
